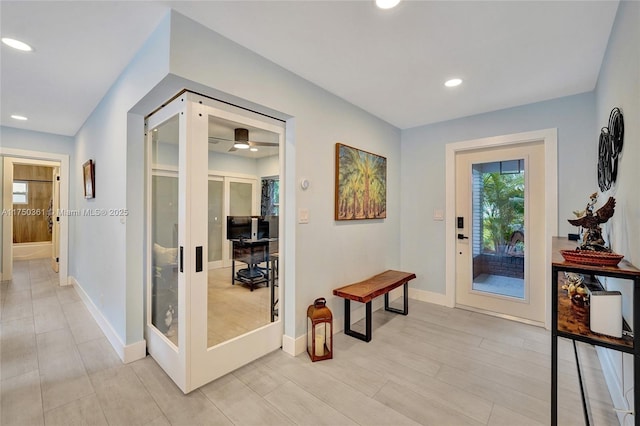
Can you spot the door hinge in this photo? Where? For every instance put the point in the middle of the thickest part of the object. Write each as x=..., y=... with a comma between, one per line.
x=57, y=260
x=58, y=178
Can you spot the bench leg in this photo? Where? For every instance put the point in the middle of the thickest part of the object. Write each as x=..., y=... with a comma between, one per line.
x=347, y=322
x=405, y=309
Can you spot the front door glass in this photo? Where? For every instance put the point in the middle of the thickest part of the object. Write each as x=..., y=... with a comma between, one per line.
x=498, y=228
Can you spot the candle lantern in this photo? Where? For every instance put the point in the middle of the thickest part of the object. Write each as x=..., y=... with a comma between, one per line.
x=319, y=331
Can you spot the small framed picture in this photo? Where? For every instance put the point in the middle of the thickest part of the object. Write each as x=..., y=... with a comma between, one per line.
x=89, y=178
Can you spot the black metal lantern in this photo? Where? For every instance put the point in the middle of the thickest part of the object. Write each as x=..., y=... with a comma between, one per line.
x=319, y=331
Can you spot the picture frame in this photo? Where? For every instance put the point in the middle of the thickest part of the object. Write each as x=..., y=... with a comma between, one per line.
x=89, y=179
x=360, y=184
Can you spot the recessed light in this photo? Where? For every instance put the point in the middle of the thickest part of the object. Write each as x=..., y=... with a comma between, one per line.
x=17, y=44
x=387, y=4
x=19, y=117
x=253, y=149
x=453, y=82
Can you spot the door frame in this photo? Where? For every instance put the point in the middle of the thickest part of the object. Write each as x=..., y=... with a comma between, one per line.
x=549, y=138
x=20, y=156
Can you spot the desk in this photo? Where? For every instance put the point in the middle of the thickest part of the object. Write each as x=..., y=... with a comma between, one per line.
x=252, y=253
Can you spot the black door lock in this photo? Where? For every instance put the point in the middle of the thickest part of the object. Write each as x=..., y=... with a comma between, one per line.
x=462, y=237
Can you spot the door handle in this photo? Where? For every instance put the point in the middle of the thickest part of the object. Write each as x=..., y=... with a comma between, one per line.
x=462, y=237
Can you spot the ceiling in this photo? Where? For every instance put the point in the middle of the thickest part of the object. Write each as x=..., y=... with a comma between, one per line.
x=390, y=63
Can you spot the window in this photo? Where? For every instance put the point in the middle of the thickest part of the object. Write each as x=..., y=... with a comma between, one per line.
x=270, y=204
x=20, y=192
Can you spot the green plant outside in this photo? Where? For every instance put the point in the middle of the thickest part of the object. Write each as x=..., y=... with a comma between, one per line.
x=503, y=209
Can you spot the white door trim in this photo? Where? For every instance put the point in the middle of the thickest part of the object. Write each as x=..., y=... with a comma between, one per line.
x=549, y=137
x=45, y=158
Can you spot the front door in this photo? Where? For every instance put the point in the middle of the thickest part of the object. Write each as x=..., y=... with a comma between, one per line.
x=500, y=216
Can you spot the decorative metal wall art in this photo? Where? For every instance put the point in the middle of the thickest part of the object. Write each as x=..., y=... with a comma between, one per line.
x=609, y=149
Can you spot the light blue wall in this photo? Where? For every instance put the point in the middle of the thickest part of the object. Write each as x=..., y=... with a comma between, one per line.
x=619, y=86
x=110, y=255
x=327, y=253
x=108, y=273
x=36, y=141
x=423, y=172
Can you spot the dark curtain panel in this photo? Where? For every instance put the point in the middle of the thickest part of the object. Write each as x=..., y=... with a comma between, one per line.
x=270, y=196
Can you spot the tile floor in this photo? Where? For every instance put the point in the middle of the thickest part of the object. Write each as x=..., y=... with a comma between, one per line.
x=436, y=366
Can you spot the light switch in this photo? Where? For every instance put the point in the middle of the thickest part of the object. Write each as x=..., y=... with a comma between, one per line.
x=438, y=214
x=303, y=216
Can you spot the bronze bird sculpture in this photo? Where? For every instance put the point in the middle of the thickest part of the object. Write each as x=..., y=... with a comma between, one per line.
x=591, y=221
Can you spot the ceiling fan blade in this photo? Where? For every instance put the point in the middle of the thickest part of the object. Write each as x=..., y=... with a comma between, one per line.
x=233, y=148
x=253, y=143
x=215, y=139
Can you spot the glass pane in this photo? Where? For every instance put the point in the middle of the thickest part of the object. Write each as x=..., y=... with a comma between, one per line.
x=241, y=289
x=20, y=187
x=164, y=229
x=216, y=216
x=19, y=199
x=498, y=228
x=240, y=199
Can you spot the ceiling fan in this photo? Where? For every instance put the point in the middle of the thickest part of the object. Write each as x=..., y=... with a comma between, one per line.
x=241, y=141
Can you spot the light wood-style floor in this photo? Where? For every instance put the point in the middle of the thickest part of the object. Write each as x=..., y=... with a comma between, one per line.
x=436, y=366
x=234, y=309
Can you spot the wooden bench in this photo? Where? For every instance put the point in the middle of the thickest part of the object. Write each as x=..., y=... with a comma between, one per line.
x=367, y=290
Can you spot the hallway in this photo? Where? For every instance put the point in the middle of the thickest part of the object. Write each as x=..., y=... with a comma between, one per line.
x=435, y=366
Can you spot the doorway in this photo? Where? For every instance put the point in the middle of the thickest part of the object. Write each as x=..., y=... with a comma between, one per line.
x=502, y=213
x=34, y=189
x=212, y=286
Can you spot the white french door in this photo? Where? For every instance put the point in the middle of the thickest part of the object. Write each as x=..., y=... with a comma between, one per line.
x=500, y=231
x=200, y=324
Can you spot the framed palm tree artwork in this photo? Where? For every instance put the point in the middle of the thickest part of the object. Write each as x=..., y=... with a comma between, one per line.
x=361, y=184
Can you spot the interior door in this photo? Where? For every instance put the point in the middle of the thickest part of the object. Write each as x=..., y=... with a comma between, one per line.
x=500, y=211
x=55, y=222
x=231, y=322
x=166, y=322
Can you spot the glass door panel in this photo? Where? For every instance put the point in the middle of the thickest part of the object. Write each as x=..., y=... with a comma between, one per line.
x=216, y=219
x=498, y=190
x=240, y=199
x=164, y=229
x=239, y=297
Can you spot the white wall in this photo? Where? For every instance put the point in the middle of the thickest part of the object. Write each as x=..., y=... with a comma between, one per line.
x=109, y=274
x=423, y=172
x=36, y=141
x=619, y=86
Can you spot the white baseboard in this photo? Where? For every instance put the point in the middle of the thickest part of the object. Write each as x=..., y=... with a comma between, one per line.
x=294, y=346
x=614, y=383
x=127, y=353
x=429, y=297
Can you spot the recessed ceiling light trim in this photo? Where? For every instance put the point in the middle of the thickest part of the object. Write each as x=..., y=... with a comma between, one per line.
x=17, y=44
x=453, y=82
x=19, y=117
x=387, y=4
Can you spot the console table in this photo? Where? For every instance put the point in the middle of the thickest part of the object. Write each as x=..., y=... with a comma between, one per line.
x=563, y=323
